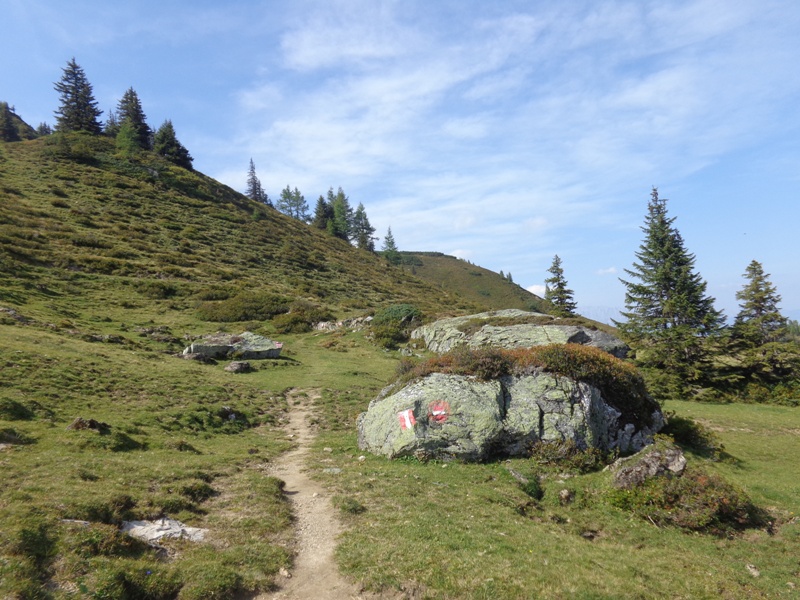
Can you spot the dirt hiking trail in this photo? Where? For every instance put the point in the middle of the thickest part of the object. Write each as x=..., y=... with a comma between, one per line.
x=314, y=575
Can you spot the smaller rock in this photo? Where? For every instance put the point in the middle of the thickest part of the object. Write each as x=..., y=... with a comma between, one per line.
x=239, y=366
x=332, y=470
x=362, y=458
x=326, y=449
x=80, y=423
x=566, y=496
x=663, y=459
x=753, y=571
x=284, y=573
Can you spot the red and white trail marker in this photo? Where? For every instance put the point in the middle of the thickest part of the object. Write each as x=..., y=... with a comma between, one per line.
x=438, y=411
x=406, y=418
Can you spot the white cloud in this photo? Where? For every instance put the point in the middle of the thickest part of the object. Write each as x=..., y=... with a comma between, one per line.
x=536, y=289
x=608, y=271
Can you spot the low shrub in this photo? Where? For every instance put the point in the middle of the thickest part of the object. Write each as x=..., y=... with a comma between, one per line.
x=157, y=289
x=392, y=325
x=246, y=306
x=348, y=504
x=696, y=501
x=11, y=410
x=565, y=455
x=301, y=317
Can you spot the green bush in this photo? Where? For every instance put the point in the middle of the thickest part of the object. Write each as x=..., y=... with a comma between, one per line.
x=397, y=313
x=565, y=455
x=11, y=410
x=156, y=289
x=392, y=325
x=693, y=436
x=695, y=501
x=246, y=306
x=301, y=317
x=533, y=488
x=348, y=504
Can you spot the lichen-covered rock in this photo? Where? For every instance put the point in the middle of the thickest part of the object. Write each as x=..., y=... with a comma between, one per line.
x=440, y=415
x=457, y=416
x=659, y=460
x=247, y=346
x=513, y=328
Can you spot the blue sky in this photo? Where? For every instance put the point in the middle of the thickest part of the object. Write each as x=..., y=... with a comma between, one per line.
x=501, y=132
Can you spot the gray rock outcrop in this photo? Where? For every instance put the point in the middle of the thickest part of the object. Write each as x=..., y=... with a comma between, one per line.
x=246, y=346
x=455, y=416
x=509, y=329
x=660, y=460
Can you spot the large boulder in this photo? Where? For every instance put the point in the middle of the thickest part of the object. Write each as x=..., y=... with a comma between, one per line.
x=247, y=346
x=513, y=328
x=457, y=416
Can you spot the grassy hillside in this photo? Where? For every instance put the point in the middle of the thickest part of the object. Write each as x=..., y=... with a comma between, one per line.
x=470, y=282
x=110, y=265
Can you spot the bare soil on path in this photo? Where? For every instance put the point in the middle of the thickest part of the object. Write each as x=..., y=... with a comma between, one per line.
x=314, y=574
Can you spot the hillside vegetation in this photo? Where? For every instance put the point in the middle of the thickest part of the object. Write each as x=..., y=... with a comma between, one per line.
x=110, y=265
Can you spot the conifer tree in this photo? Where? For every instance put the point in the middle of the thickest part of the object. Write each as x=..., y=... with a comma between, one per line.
x=293, y=203
x=254, y=190
x=389, y=249
x=111, y=128
x=556, y=291
x=668, y=314
x=323, y=214
x=166, y=144
x=78, y=110
x=43, y=129
x=129, y=109
x=342, y=214
x=8, y=130
x=362, y=230
x=759, y=321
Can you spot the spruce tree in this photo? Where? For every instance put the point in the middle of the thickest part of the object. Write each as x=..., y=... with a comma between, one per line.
x=129, y=110
x=323, y=214
x=254, y=190
x=43, y=129
x=668, y=314
x=389, y=249
x=759, y=321
x=111, y=128
x=362, y=230
x=166, y=144
x=556, y=291
x=766, y=359
x=78, y=110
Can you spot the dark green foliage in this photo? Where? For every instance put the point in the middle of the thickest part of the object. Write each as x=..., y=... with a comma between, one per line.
x=302, y=316
x=166, y=144
x=43, y=129
x=126, y=140
x=8, y=130
x=557, y=292
x=293, y=203
x=197, y=418
x=362, y=231
x=129, y=111
x=156, y=289
x=341, y=224
x=78, y=110
x=397, y=313
x=389, y=249
x=245, y=306
x=112, y=510
x=323, y=214
x=254, y=190
x=696, y=501
x=668, y=316
x=567, y=456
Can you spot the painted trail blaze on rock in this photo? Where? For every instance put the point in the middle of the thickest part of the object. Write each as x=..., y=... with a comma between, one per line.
x=438, y=411
x=406, y=418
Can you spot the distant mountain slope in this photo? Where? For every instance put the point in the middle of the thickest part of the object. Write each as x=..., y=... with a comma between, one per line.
x=473, y=283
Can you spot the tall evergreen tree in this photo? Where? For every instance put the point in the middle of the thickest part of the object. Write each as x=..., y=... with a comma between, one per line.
x=254, y=190
x=342, y=222
x=111, y=128
x=556, y=291
x=8, y=130
x=166, y=144
x=759, y=321
x=389, y=249
x=362, y=230
x=78, y=110
x=323, y=214
x=129, y=110
x=293, y=203
x=668, y=314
